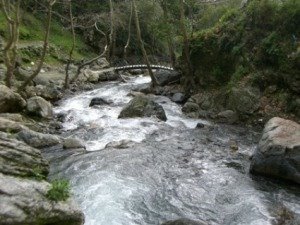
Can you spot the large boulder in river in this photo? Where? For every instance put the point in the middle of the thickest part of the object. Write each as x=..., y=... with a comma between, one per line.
x=108, y=76
x=39, y=107
x=278, y=152
x=23, y=189
x=184, y=222
x=142, y=106
x=165, y=77
x=10, y=101
x=99, y=101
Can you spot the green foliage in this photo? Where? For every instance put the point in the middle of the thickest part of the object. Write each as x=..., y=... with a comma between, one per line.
x=254, y=41
x=38, y=173
x=60, y=190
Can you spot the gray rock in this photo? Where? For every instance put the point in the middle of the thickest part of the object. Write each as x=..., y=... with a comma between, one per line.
x=24, y=201
x=190, y=107
x=92, y=76
x=38, y=140
x=10, y=126
x=141, y=106
x=10, y=101
x=184, y=222
x=165, y=77
x=12, y=116
x=178, y=97
x=245, y=101
x=19, y=159
x=99, y=101
x=108, y=76
x=49, y=92
x=100, y=64
x=278, y=152
x=227, y=116
x=72, y=143
x=120, y=144
x=39, y=107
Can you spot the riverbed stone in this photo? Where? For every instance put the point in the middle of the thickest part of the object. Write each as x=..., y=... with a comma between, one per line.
x=190, y=107
x=184, y=222
x=165, y=77
x=38, y=140
x=72, y=143
x=278, y=152
x=39, y=107
x=227, y=116
x=178, y=97
x=99, y=101
x=10, y=101
x=142, y=106
x=108, y=76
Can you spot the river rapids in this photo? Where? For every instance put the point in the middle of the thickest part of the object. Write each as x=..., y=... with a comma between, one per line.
x=145, y=171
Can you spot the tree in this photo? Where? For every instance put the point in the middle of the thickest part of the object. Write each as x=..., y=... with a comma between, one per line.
x=189, y=84
x=67, y=77
x=129, y=31
x=50, y=4
x=11, y=11
x=141, y=43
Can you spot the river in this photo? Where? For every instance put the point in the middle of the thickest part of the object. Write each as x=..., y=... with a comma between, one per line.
x=162, y=170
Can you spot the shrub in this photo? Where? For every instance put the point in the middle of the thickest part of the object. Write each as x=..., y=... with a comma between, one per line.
x=60, y=190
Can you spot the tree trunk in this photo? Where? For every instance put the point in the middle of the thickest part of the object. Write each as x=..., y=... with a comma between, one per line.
x=189, y=84
x=139, y=37
x=67, y=78
x=112, y=36
x=10, y=50
x=45, y=46
x=169, y=35
x=86, y=63
x=129, y=32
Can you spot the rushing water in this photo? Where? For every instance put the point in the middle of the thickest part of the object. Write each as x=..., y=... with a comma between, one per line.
x=163, y=170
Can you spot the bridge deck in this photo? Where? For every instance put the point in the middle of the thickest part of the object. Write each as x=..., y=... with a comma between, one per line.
x=143, y=66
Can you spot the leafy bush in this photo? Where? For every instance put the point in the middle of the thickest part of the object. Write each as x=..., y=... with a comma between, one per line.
x=60, y=190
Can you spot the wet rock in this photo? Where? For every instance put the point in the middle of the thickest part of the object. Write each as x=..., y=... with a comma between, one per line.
x=120, y=144
x=190, y=107
x=108, y=76
x=165, y=77
x=278, y=152
x=10, y=101
x=178, y=97
x=227, y=116
x=72, y=143
x=99, y=101
x=39, y=107
x=200, y=125
x=184, y=222
x=142, y=106
x=233, y=145
x=38, y=140
x=245, y=100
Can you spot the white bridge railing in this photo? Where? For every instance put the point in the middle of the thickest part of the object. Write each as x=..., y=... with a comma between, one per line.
x=142, y=66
